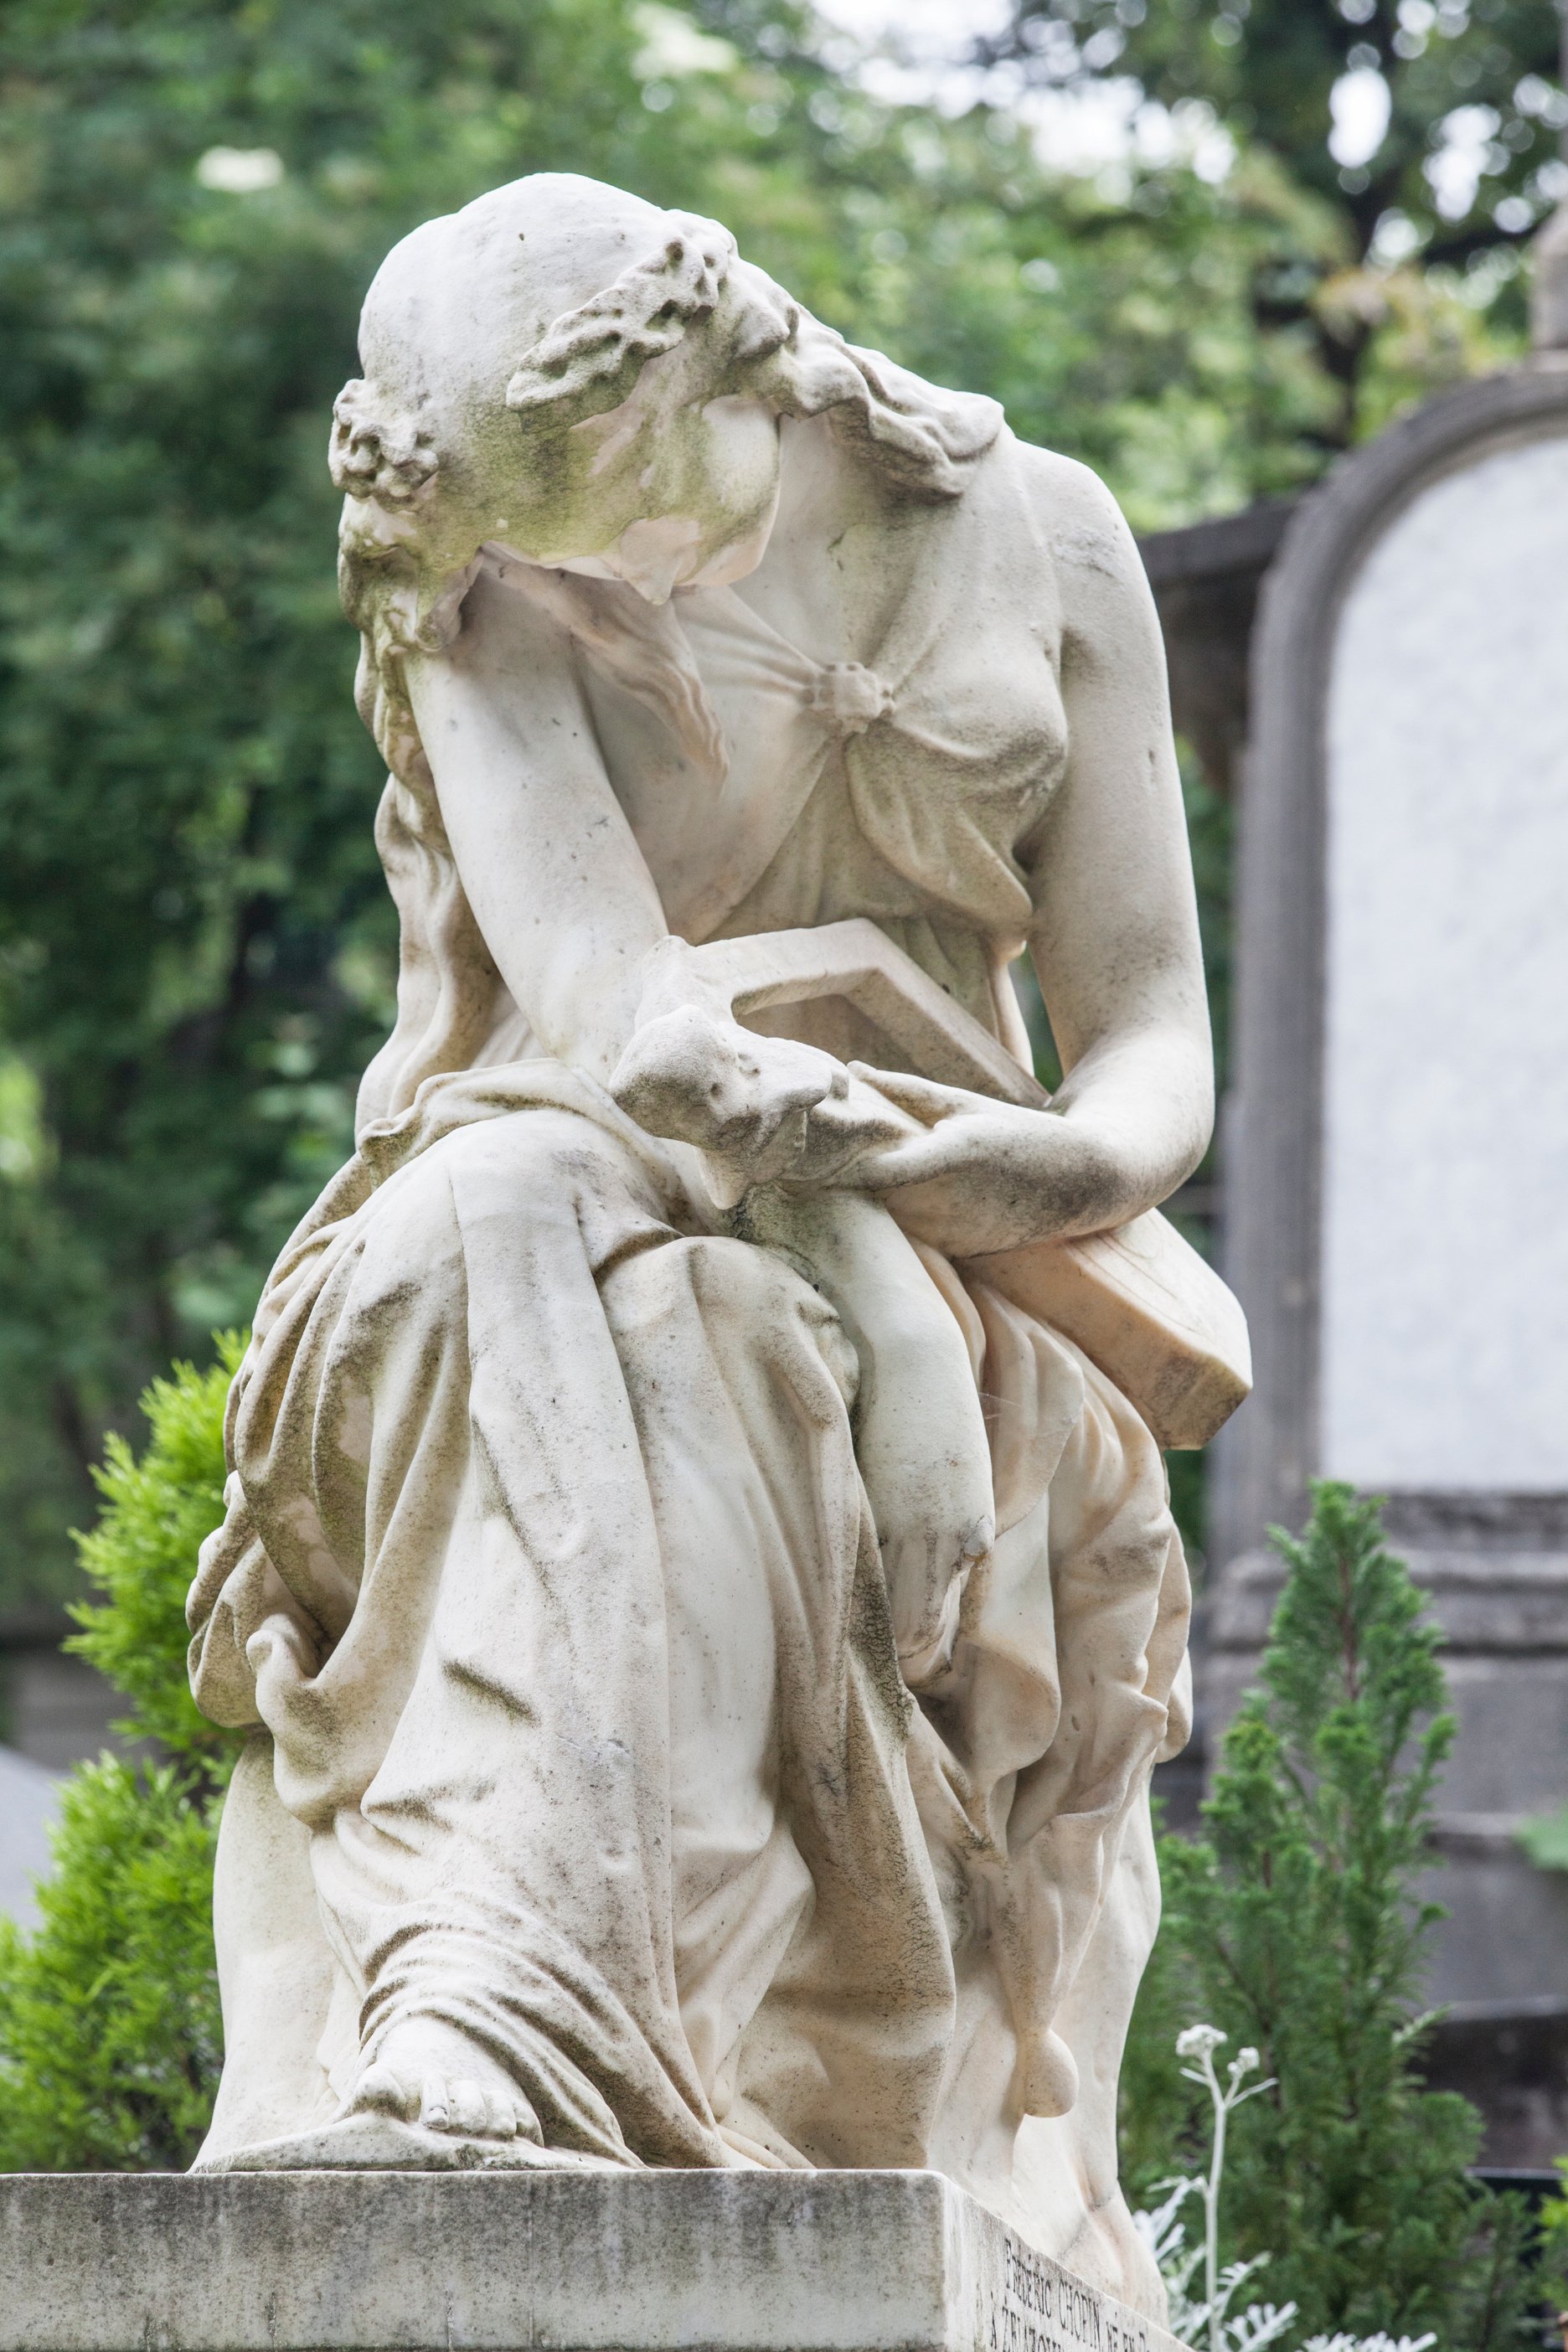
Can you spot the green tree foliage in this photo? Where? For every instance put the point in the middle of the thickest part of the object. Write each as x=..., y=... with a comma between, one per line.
x=195, y=944
x=1297, y=1928
x=110, y=2039
x=1554, y=2254
x=1469, y=83
x=157, y=1512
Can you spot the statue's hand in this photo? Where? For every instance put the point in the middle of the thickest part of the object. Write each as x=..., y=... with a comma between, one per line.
x=977, y=1175
x=767, y=1108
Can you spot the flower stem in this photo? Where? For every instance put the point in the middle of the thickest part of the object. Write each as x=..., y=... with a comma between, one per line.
x=1211, y=2208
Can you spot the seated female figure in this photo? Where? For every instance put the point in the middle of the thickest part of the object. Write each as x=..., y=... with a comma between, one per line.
x=708, y=1645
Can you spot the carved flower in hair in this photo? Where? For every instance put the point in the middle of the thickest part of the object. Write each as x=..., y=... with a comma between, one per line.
x=374, y=455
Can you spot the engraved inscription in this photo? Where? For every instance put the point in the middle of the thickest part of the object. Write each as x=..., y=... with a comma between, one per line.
x=1042, y=2309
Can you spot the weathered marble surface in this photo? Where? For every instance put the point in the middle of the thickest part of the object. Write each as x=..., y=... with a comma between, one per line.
x=698, y=1568
x=684, y=2262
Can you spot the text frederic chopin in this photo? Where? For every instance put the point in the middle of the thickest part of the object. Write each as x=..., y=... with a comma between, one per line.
x=1041, y=2309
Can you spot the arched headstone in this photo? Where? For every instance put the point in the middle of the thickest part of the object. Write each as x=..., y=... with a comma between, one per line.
x=1397, y=1188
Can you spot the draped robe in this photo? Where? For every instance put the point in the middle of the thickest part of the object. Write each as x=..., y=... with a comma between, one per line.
x=548, y=1574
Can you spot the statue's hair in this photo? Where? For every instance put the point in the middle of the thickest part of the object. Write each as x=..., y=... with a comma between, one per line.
x=924, y=439
x=643, y=312
x=589, y=358
x=372, y=456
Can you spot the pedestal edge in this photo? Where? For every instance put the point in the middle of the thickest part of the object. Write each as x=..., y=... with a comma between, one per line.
x=633, y=2262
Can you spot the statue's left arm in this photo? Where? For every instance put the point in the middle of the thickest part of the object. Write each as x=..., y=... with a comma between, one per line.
x=1114, y=942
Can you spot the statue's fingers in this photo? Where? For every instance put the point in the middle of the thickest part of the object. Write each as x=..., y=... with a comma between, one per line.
x=800, y=1093
x=764, y=1123
x=862, y=1119
x=905, y=1086
x=913, y=1159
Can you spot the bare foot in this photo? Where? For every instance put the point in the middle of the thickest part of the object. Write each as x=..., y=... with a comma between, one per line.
x=427, y=2071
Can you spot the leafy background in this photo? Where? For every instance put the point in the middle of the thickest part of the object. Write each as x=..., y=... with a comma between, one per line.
x=195, y=945
x=1315, y=216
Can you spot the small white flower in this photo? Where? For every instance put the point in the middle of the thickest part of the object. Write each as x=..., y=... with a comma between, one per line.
x=1246, y=2062
x=1199, y=2041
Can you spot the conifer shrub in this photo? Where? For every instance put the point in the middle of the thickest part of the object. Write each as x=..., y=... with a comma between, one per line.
x=110, y=2035
x=1298, y=1927
x=1552, y=2279
x=111, y=2040
x=157, y=1512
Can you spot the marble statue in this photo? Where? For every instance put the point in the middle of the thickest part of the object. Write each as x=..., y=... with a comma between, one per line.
x=698, y=1559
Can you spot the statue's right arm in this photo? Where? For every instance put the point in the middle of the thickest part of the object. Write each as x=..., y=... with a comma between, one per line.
x=557, y=883
x=563, y=895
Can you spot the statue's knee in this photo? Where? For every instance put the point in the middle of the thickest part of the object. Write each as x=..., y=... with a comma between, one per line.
x=535, y=1165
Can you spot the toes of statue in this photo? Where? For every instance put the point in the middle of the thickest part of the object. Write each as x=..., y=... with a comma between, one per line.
x=380, y=2088
x=472, y=2109
x=435, y=2105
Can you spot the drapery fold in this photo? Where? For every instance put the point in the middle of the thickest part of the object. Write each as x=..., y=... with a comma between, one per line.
x=549, y=1572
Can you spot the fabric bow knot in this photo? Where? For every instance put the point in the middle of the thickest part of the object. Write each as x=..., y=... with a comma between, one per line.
x=851, y=695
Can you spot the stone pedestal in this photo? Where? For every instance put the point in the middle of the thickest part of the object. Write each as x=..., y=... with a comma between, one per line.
x=651, y=2262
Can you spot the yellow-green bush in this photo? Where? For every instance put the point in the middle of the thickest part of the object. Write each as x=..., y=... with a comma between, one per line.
x=110, y=2039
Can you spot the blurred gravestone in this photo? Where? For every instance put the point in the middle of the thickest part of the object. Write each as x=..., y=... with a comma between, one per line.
x=29, y=1798
x=55, y=1709
x=1397, y=1167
